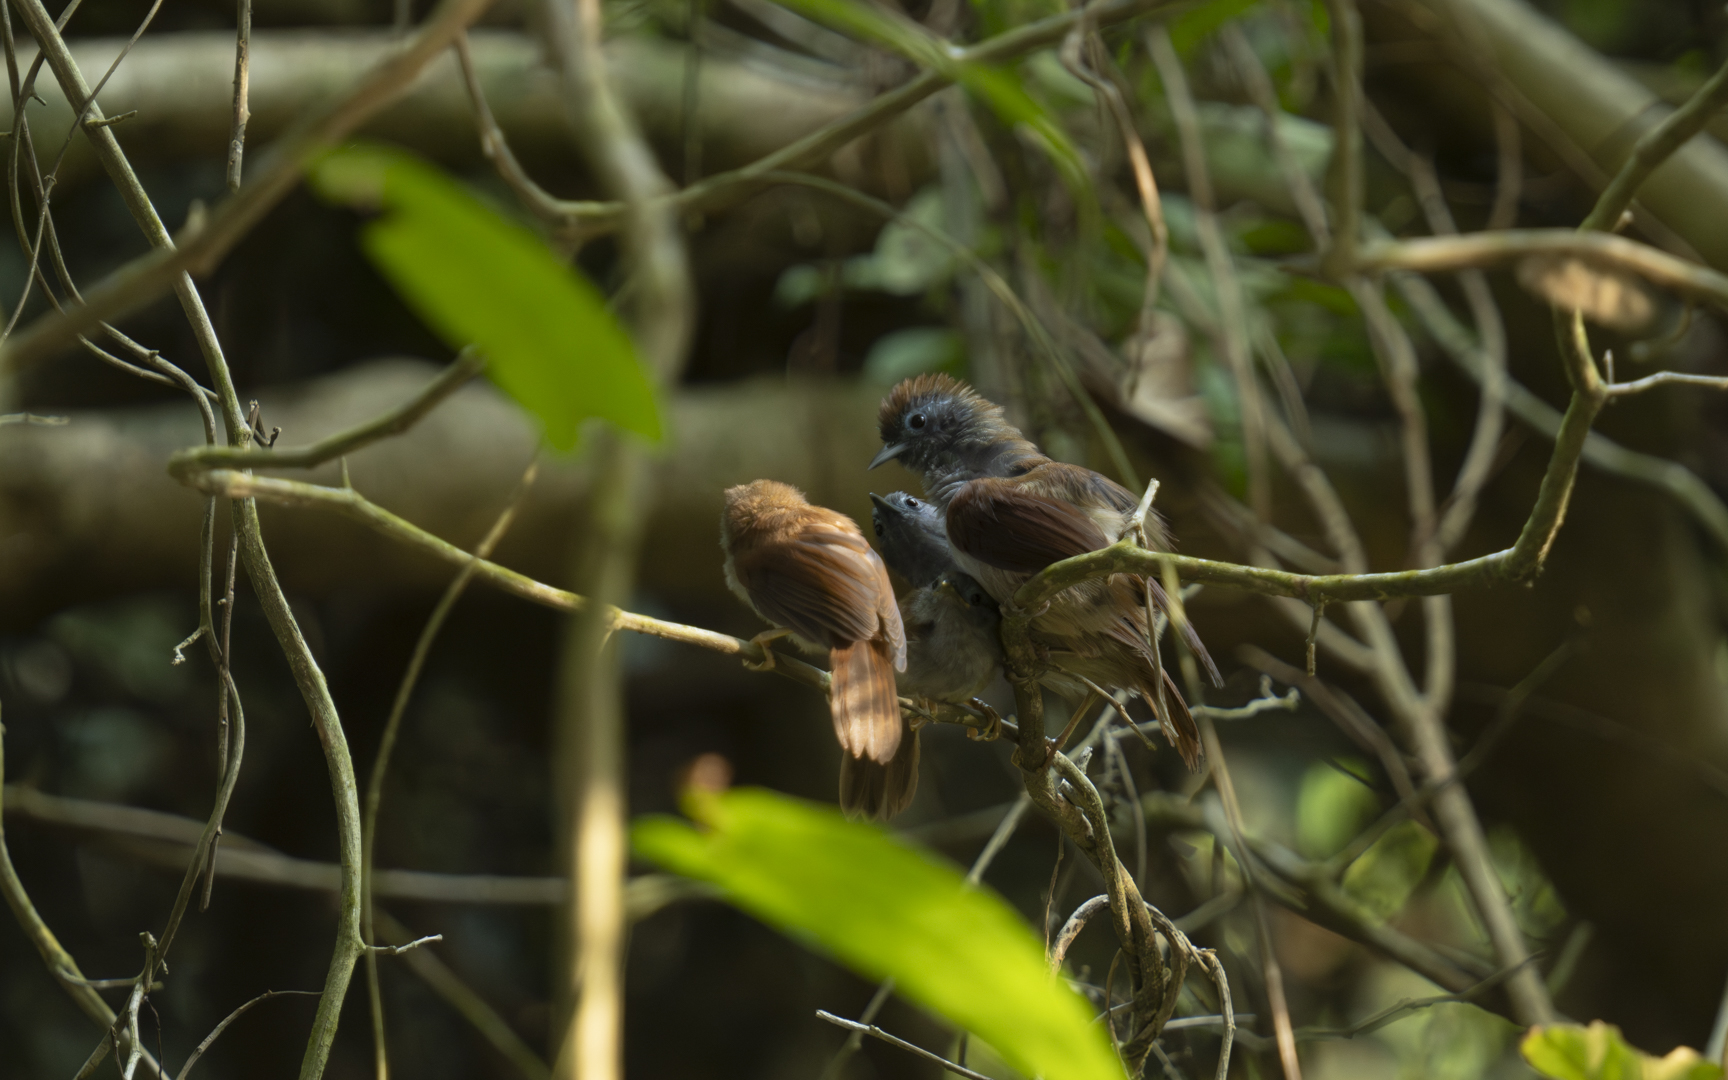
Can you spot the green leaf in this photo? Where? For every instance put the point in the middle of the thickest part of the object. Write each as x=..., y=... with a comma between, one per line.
x=914, y=351
x=479, y=279
x=885, y=908
x=1389, y=871
x=1331, y=807
x=1191, y=28
x=1599, y=1052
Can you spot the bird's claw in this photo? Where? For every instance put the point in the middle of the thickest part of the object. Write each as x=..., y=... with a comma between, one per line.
x=920, y=711
x=1011, y=610
x=761, y=641
x=991, y=729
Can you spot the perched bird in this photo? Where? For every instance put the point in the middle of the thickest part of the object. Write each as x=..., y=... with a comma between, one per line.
x=1009, y=511
x=953, y=649
x=809, y=571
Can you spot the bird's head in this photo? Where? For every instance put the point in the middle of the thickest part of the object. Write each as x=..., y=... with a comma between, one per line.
x=937, y=424
x=912, y=536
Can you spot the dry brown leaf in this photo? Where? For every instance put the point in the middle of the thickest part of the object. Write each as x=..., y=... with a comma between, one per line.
x=1606, y=297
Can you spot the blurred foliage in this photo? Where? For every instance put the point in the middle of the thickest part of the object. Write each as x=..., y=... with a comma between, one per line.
x=550, y=339
x=1333, y=805
x=1599, y=1052
x=887, y=910
x=1032, y=177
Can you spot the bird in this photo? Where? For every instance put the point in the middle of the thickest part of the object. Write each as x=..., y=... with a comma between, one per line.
x=1009, y=511
x=810, y=572
x=953, y=646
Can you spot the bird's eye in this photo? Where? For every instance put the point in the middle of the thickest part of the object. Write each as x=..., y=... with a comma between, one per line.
x=916, y=421
x=911, y=503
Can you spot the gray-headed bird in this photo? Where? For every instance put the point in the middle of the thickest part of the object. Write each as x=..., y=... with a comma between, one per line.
x=1009, y=511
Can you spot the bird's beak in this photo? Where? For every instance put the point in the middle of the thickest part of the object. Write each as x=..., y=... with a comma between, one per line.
x=889, y=453
x=881, y=503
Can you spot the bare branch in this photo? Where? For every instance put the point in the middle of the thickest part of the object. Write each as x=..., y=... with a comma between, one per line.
x=144, y=279
x=1443, y=254
x=1654, y=147
x=876, y=1032
x=242, y=93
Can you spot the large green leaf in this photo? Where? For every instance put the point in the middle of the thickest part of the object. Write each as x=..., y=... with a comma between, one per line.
x=885, y=908
x=1599, y=1052
x=479, y=279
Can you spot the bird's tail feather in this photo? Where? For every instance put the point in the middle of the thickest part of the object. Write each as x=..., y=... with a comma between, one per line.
x=1174, y=717
x=1189, y=634
x=864, y=701
x=873, y=790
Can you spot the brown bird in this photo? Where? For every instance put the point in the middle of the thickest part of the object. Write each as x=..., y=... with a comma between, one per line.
x=809, y=571
x=1010, y=511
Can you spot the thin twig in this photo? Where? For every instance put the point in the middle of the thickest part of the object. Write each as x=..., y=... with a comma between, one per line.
x=1227, y=290
x=461, y=997
x=876, y=1032
x=467, y=364
x=229, y=1019
x=1671, y=477
x=407, y=946
x=1145, y=183
x=242, y=88
x=451, y=16
x=142, y=280
x=497, y=149
x=387, y=744
x=137, y=283
x=1344, y=171
x=58, y=961
x=1656, y=146
x=999, y=838
x=1271, y=971
x=589, y=740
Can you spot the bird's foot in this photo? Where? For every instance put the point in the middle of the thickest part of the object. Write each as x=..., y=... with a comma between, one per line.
x=1011, y=610
x=762, y=641
x=918, y=711
x=991, y=729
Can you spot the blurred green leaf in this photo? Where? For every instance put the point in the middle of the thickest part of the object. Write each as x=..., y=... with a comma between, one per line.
x=1331, y=807
x=1538, y=906
x=914, y=351
x=907, y=260
x=1386, y=874
x=996, y=16
x=885, y=908
x=999, y=88
x=478, y=279
x=1199, y=23
x=1599, y=1052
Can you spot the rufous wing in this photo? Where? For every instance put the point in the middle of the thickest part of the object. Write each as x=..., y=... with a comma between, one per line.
x=1010, y=525
x=826, y=585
